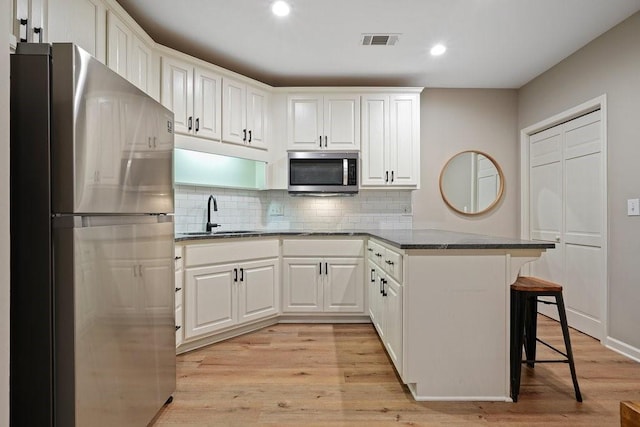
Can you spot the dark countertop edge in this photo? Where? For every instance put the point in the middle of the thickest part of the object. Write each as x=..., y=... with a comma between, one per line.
x=407, y=246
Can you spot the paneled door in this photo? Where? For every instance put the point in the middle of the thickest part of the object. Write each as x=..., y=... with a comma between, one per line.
x=567, y=187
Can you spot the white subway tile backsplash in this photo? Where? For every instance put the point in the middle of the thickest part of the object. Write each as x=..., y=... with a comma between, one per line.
x=247, y=209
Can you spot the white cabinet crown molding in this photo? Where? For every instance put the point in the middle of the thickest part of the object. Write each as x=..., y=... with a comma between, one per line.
x=167, y=51
x=345, y=89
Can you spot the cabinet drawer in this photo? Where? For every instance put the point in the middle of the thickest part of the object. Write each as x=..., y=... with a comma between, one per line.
x=393, y=264
x=375, y=252
x=179, y=288
x=329, y=247
x=226, y=251
x=178, y=258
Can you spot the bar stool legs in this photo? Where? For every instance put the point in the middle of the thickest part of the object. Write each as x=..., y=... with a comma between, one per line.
x=567, y=345
x=524, y=307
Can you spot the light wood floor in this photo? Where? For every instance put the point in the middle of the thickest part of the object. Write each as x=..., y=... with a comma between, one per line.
x=330, y=375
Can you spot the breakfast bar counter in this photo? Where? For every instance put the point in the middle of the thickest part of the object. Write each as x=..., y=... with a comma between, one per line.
x=445, y=309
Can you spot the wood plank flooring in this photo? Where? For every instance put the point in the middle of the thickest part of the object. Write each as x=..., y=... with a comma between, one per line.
x=339, y=375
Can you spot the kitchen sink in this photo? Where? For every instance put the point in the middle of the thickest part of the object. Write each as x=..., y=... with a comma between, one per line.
x=211, y=233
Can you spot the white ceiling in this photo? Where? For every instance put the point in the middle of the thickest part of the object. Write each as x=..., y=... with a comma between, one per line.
x=491, y=43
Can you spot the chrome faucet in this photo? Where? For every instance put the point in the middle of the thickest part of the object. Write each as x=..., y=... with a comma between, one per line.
x=215, y=209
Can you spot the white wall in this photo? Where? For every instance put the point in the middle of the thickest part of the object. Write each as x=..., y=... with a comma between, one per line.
x=4, y=214
x=608, y=65
x=454, y=120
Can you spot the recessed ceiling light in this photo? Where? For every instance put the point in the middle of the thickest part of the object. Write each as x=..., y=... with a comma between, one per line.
x=438, y=50
x=280, y=8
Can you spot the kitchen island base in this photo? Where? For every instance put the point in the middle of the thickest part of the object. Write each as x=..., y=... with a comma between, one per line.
x=456, y=322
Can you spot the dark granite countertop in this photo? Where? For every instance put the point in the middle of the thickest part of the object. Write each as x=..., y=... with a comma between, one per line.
x=402, y=239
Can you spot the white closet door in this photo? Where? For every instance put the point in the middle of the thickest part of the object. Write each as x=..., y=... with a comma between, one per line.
x=545, y=154
x=566, y=207
x=583, y=234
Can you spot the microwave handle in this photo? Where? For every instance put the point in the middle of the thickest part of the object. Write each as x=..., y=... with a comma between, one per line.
x=345, y=171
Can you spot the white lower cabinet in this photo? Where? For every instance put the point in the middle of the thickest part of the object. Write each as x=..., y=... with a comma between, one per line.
x=302, y=285
x=374, y=289
x=179, y=300
x=316, y=282
x=392, y=308
x=323, y=285
x=218, y=296
x=211, y=299
x=258, y=290
x=385, y=300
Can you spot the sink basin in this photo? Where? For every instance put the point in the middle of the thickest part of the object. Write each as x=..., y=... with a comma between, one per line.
x=211, y=233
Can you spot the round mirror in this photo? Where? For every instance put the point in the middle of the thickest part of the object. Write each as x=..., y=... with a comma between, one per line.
x=471, y=182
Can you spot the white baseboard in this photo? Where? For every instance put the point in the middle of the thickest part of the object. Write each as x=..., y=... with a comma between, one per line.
x=622, y=348
x=412, y=389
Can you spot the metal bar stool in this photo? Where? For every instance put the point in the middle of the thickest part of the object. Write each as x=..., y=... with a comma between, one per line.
x=524, y=307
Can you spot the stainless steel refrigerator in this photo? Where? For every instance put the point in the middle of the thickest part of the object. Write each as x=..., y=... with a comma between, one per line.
x=92, y=268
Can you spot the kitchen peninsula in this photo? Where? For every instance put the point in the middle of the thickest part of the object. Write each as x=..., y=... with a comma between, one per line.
x=438, y=299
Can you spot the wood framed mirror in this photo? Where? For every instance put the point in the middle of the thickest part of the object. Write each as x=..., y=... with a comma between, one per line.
x=471, y=182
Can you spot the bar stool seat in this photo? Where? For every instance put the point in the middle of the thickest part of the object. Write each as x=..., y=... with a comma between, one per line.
x=524, y=308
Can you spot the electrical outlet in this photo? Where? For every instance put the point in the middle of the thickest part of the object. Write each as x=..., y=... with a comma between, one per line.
x=276, y=209
x=633, y=207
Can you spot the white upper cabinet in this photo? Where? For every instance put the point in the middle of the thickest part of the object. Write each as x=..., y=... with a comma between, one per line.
x=128, y=54
x=82, y=22
x=207, y=104
x=140, y=72
x=244, y=114
x=119, y=45
x=194, y=95
x=29, y=19
x=324, y=122
x=390, y=140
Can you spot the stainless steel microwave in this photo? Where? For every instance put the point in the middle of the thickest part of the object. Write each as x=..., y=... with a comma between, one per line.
x=323, y=173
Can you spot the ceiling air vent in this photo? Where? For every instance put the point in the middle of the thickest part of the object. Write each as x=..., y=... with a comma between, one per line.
x=379, y=39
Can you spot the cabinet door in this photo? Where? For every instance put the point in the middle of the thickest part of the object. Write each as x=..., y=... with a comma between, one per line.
x=258, y=295
x=82, y=22
x=375, y=139
x=341, y=122
x=393, y=322
x=305, y=122
x=404, y=143
x=33, y=11
x=177, y=93
x=373, y=291
x=179, y=326
x=119, y=45
x=207, y=104
x=234, y=121
x=257, y=113
x=302, y=285
x=210, y=299
x=179, y=295
x=141, y=65
x=343, y=290
x=379, y=303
